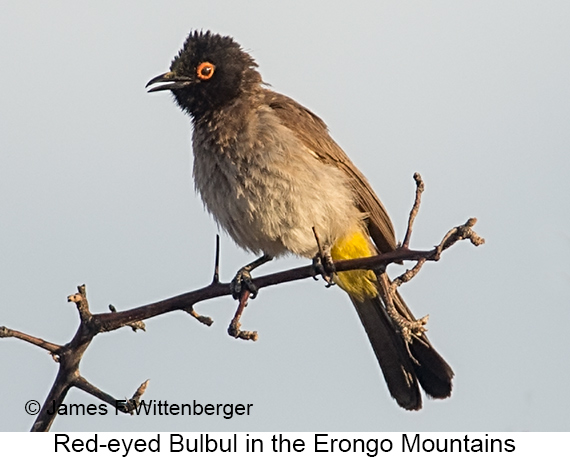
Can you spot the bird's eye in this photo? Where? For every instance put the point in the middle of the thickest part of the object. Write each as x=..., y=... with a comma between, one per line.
x=205, y=70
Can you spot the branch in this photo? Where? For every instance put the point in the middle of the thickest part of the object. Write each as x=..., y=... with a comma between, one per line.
x=50, y=347
x=124, y=406
x=414, y=212
x=69, y=356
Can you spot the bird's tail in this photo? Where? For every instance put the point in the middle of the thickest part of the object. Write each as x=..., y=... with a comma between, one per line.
x=401, y=371
x=404, y=365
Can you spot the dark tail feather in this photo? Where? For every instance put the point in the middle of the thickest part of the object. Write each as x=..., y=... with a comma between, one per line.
x=391, y=353
x=400, y=371
x=433, y=372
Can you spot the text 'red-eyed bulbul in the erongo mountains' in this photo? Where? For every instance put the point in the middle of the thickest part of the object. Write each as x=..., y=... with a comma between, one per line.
x=272, y=177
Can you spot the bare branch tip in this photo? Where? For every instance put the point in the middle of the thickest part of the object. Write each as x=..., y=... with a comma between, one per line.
x=235, y=332
x=247, y=335
x=424, y=320
x=141, y=390
x=208, y=321
x=79, y=296
x=202, y=319
x=415, y=209
x=419, y=181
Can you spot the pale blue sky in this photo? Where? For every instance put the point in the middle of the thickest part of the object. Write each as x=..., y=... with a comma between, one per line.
x=95, y=188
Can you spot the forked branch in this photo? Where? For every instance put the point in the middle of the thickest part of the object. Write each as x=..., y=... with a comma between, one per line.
x=69, y=355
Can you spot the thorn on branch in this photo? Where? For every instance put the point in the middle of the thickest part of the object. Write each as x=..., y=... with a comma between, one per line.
x=137, y=325
x=216, y=278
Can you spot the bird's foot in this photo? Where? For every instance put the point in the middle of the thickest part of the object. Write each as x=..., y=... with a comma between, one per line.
x=323, y=265
x=242, y=288
x=243, y=281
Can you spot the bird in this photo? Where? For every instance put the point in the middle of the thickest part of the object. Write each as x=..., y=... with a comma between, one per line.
x=273, y=178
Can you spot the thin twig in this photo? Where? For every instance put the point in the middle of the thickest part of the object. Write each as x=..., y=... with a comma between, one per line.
x=50, y=347
x=408, y=275
x=235, y=324
x=461, y=232
x=124, y=406
x=206, y=320
x=414, y=212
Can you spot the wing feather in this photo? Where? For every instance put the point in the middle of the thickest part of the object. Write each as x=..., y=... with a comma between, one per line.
x=433, y=373
x=313, y=132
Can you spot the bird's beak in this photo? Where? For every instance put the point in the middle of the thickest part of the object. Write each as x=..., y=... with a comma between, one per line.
x=171, y=82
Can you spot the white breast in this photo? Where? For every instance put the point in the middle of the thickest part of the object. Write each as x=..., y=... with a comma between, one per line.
x=267, y=190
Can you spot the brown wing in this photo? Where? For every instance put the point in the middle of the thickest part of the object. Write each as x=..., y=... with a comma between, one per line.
x=313, y=132
x=433, y=373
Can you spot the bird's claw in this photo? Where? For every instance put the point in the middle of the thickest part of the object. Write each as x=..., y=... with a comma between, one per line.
x=243, y=281
x=323, y=266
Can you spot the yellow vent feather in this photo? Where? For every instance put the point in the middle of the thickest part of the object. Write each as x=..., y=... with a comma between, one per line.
x=360, y=284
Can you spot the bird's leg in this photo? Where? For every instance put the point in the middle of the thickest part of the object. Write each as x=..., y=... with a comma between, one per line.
x=242, y=288
x=242, y=280
x=323, y=263
x=324, y=266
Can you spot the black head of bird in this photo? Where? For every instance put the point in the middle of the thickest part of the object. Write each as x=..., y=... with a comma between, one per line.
x=209, y=72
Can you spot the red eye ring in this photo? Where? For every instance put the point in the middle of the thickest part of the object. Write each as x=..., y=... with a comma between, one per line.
x=205, y=70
